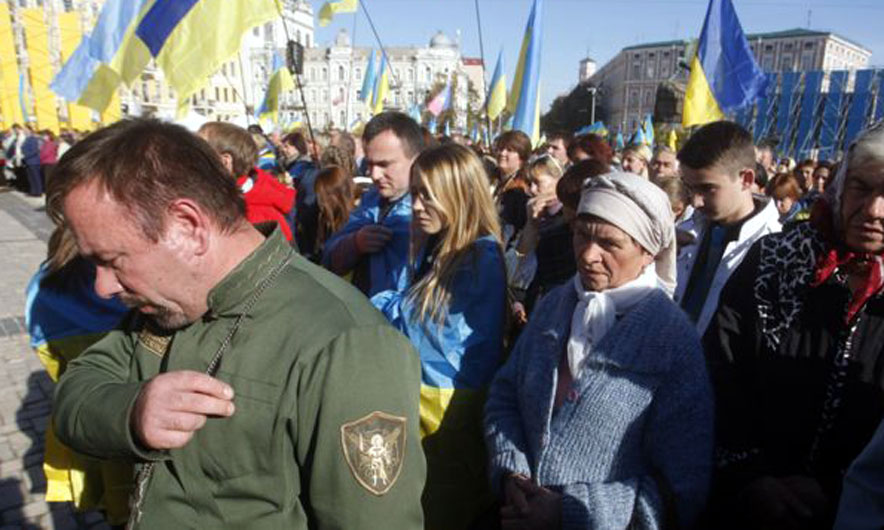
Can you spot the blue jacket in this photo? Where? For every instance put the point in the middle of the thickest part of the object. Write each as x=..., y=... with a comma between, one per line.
x=388, y=269
x=458, y=360
x=30, y=150
x=631, y=446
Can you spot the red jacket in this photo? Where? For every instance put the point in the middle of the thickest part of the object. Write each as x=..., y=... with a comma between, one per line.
x=267, y=200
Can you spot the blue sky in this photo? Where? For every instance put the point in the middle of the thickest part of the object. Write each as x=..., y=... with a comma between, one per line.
x=599, y=28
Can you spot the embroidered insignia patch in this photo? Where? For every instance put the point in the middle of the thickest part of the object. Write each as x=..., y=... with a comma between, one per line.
x=374, y=448
x=156, y=344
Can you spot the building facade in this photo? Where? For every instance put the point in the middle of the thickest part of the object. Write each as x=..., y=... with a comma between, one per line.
x=629, y=82
x=333, y=79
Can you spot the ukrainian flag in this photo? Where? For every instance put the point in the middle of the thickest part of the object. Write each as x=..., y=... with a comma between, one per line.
x=724, y=75
x=496, y=100
x=381, y=87
x=189, y=39
x=330, y=8
x=524, y=100
x=367, y=92
x=281, y=81
x=63, y=319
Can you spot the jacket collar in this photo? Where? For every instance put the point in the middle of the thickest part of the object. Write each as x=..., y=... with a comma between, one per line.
x=765, y=214
x=228, y=297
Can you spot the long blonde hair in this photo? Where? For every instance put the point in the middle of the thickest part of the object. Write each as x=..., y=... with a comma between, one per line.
x=455, y=183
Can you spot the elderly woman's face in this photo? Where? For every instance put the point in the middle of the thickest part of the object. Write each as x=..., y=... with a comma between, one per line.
x=862, y=207
x=635, y=164
x=606, y=256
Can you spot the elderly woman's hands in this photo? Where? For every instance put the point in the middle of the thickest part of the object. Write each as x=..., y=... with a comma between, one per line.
x=529, y=506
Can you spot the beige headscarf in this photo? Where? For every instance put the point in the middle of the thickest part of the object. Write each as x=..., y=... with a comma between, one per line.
x=639, y=208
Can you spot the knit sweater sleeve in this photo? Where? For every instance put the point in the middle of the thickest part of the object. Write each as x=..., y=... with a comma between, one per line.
x=504, y=432
x=678, y=445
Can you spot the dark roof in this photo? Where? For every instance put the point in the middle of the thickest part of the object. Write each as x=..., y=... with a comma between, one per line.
x=660, y=44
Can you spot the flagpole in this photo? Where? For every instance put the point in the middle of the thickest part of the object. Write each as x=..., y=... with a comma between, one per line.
x=350, y=79
x=243, y=79
x=482, y=54
x=381, y=44
x=294, y=72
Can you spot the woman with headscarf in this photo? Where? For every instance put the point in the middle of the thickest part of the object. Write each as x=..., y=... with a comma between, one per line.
x=796, y=356
x=602, y=416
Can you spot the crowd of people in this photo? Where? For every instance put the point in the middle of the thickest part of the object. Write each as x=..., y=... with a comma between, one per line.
x=400, y=330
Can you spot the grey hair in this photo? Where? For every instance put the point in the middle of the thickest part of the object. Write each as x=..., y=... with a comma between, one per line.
x=867, y=147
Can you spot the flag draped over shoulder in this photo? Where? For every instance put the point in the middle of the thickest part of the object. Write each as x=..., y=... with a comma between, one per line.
x=496, y=100
x=280, y=82
x=332, y=7
x=524, y=101
x=724, y=75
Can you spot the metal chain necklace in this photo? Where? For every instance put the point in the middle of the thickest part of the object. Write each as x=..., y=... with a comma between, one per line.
x=146, y=472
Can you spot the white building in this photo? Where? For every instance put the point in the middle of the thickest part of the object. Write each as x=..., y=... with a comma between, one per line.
x=333, y=78
x=628, y=83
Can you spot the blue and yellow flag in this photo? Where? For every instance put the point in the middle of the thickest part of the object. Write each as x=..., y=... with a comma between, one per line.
x=332, y=7
x=724, y=75
x=189, y=39
x=382, y=87
x=280, y=82
x=524, y=100
x=619, y=143
x=496, y=100
x=648, y=129
x=367, y=92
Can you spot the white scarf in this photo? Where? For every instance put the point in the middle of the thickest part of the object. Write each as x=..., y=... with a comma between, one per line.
x=596, y=313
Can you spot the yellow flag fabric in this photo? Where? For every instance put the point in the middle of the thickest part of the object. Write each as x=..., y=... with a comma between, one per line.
x=209, y=34
x=113, y=112
x=40, y=68
x=513, y=101
x=383, y=89
x=79, y=117
x=10, y=106
x=672, y=140
x=332, y=7
x=700, y=105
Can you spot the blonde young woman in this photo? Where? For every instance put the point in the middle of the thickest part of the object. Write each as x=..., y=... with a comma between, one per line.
x=453, y=312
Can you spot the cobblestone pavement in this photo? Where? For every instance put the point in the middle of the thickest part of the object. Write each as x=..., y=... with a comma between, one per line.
x=25, y=388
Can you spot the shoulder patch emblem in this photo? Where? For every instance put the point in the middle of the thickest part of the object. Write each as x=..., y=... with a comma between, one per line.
x=374, y=448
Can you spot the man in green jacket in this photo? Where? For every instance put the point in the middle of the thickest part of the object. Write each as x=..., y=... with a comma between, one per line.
x=254, y=389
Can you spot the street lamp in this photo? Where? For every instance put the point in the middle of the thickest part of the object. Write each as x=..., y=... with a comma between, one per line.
x=592, y=90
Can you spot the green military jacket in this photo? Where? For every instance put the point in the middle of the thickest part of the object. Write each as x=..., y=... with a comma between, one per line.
x=325, y=433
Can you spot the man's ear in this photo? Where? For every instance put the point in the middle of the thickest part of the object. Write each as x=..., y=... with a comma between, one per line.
x=227, y=162
x=747, y=178
x=188, y=227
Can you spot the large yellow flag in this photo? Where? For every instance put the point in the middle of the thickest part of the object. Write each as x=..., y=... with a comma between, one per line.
x=10, y=104
x=40, y=68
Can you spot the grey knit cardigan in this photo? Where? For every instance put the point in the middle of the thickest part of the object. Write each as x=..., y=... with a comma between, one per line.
x=631, y=446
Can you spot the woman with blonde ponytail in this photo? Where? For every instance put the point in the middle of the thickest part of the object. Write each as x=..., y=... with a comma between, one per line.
x=453, y=312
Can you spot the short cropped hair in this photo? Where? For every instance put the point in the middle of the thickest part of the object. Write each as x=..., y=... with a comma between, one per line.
x=146, y=164
x=229, y=139
x=570, y=186
x=402, y=126
x=565, y=136
x=722, y=144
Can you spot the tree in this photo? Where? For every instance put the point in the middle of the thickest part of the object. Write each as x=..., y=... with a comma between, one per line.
x=574, y=110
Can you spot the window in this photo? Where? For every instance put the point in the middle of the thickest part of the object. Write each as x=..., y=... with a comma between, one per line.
x=232, y=68
x=202, y=94
x=144, y=94
x=649, y=98
x=256, y=31
x=268, y=31
x=340, y=73
x=307, y=45
x=217, y=94
x=664, y=68
x=225, y=94
x=224, y=69
x=786, y=63
x=807, y=61
x=767, y=63
x=768, y=47
x=428, y=74
x=359, y=74
x=313, y=74
x=633, y=98
x=324, y=73
x=325, y=119
x=636, y=70
x=324, y=96
x=411, y=74
x=340, y=94
x=343, y=118
x=808, y=45
x=171, y=93
x=788, y=47
x=651, y=69
x=298, y=37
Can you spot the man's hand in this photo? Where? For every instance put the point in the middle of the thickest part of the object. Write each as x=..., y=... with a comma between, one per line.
x=520, y=316
x=173, y=406
x=544, y=508
x=516, y=502
x=372, y=238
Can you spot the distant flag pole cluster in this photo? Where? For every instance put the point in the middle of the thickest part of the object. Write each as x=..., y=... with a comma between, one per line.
x=332, y=7
x=724, y=75
x=496, y=100
x=188, y=39
x=524, y=100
